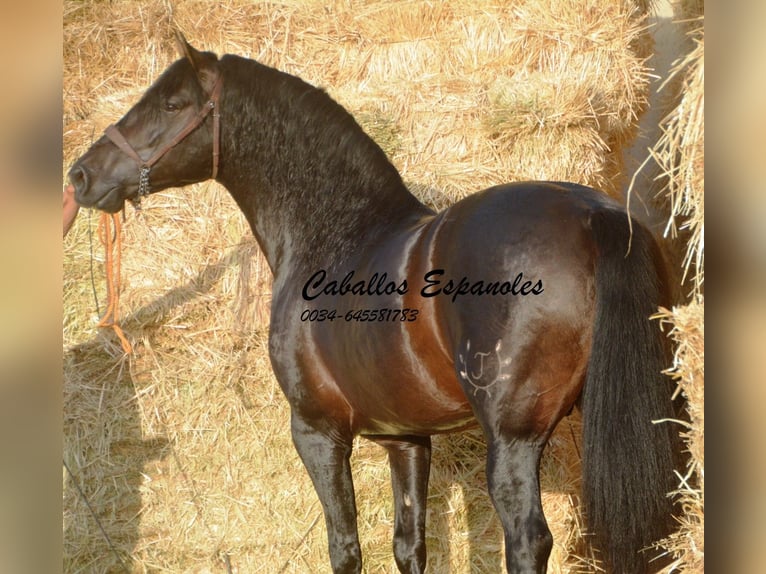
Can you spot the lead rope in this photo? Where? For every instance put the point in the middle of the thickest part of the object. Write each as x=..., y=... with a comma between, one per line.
x=112, y=241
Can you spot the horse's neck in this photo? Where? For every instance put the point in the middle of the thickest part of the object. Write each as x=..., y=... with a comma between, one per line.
x=312, y=185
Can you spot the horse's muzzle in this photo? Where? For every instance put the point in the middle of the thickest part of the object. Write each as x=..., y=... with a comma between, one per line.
x=88, y=194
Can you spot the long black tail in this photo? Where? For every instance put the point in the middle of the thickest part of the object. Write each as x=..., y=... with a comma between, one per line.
x=628, y=461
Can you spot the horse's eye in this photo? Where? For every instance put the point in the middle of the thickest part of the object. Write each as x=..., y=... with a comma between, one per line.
x=171, y=106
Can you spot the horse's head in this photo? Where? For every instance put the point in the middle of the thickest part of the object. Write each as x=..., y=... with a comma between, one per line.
x=168, y=139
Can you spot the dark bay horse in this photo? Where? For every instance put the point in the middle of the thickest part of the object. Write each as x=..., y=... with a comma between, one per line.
x=394, y=322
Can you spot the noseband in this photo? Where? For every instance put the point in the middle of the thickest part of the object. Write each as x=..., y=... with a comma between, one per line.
x=145, y=166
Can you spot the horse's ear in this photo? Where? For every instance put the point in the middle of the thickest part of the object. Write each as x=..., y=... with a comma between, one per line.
x=183, y=47
x=202, y=62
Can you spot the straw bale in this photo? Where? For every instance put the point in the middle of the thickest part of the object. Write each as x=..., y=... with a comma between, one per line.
x=577, y=80
x=687, y=545
x=680, y=155
x=183, y=449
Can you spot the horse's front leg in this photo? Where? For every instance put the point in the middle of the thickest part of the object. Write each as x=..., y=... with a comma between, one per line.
x=325, y=453
x=410, y=460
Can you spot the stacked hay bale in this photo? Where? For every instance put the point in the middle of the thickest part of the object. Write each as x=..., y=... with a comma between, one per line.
x=680, y=155
x=182, y=449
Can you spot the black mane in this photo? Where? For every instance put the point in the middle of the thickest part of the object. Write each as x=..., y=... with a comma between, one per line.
x=303, y=151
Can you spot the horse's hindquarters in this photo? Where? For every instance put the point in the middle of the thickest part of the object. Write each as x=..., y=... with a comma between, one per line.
x=521, y=328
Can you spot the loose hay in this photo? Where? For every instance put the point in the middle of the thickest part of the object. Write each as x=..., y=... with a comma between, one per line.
x=183, y=448
x=680, y=155
x=687, y=545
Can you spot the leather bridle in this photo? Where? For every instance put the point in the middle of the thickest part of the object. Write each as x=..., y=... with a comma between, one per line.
x=145, y=166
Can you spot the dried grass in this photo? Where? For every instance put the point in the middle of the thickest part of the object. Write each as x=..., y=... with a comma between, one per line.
x=680, y=155
x=183, y=448
x=687, y=545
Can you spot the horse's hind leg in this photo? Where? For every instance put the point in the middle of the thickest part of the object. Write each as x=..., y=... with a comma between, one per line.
x=326, y=456
x=518, y=394
x=410, y=460
x=512, y=477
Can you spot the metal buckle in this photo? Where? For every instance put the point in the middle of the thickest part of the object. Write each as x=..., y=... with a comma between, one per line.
x=143, y=181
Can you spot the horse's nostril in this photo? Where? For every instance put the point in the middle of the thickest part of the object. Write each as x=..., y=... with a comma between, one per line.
x=78, y=177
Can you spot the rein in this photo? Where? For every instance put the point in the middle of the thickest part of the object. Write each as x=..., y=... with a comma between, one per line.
x=145, y=166
x=112, y=241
